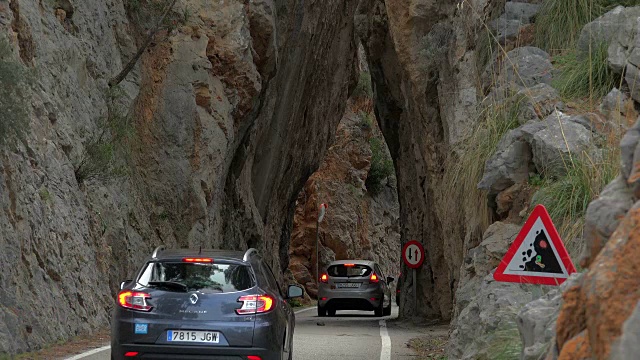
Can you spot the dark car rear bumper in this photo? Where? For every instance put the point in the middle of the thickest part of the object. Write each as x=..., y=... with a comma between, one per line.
x=165, y=352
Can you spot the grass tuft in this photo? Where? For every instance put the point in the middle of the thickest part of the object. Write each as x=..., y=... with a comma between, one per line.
x=589, y=77
x=363, y=89
x=560, y=21
x=567, y=198
x=464, y=170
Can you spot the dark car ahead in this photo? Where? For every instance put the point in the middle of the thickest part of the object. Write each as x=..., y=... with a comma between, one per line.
x=187, y=304
x=354, y=285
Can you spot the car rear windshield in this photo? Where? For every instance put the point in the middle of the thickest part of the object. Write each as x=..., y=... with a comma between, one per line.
x=181, y=276
x=349, y=270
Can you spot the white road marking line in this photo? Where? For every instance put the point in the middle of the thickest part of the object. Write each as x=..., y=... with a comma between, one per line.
x=104, y=348
x=89, y=353
x=303, y=310
x=385, y=352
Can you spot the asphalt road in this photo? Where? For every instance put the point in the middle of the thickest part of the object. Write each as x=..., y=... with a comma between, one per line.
x=348, y=335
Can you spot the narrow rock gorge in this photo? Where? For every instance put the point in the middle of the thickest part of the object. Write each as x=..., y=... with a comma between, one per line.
x=440, y=121
x=207, y=142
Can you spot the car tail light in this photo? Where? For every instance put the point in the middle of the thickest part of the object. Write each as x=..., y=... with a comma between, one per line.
x=197, y=260
x=253, y=357
x=324, y=278
x=134, y=300
x=131, y=354
x=255, y=304
x=349, y=265
x=373, y=278
x=398, y=291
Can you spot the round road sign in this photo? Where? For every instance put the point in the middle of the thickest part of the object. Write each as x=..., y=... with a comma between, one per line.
x=413, y=254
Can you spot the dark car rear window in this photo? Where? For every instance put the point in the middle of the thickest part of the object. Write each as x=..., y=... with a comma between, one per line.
x=196, y=276
x=349, y=271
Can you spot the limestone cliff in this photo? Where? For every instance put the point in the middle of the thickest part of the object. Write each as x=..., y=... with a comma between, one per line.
x=229, y=110
x=360, y=223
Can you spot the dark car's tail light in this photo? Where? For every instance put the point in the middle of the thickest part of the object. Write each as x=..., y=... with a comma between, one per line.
x=197, y=260
x=134, y=300
x=255, y=304
x=373, y=278
x=131, y=354
x=324, y=278
x=253, y=357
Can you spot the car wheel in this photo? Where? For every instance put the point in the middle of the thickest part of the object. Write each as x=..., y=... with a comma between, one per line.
x=322, y=311
x=387, y=310
x=332, y=312
x=379, y=312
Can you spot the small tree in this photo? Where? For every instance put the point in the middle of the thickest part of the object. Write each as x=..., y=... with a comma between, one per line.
x=381, y=166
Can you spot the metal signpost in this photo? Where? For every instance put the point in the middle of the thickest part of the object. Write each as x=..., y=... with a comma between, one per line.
x=413, y=256
x=321, y=211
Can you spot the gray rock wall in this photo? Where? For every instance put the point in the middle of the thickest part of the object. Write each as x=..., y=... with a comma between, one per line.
x=231, y=110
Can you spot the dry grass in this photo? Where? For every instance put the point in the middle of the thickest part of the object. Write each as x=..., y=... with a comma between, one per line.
x=429, y=348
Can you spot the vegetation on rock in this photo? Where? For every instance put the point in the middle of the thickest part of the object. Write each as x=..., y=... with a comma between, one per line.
x=14, y=119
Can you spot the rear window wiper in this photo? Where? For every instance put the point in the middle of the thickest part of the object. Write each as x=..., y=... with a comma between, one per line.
x=170, y=284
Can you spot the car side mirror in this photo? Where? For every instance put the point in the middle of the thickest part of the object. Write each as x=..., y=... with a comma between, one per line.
x=124, y=283
x=295, y=291
x=390, y=279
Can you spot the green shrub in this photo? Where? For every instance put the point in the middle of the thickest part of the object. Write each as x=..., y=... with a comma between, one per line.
x=107, y=150
x=381, y=166
x=14, y=118
x=590, y=76
x=366, y=121
x=363, y=89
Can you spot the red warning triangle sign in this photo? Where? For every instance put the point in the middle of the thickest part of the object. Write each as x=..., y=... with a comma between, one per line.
x=537, y=256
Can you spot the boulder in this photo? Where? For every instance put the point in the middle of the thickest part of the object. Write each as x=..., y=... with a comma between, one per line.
x=537, y=321
x=603, y=217
x=628, y=146
x=614, y=102
x=510, y=164
x=601, y=31
x=538, y=102
x=621, y=28
x=527, y=66
x=505, y=29
x=487, y=325
x=555, y=141
x=628, y=345
x=523, y=12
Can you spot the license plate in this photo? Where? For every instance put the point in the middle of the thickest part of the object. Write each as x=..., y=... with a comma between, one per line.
x=347, y=285
x=211, y=337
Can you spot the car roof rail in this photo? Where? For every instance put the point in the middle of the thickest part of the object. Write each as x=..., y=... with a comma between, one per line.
x=249, y=253
x=158, y=250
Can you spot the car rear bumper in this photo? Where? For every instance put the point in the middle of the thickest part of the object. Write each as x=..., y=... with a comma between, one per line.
x=165, y=352
x=350, y=300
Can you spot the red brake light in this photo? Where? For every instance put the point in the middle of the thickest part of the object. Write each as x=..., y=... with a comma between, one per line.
x=131, y=354
x=255, y=304
x=349, y=265
x=324, y=278
x=373, y=278
x=134, y=300
x=253, y=357
x=197, y=260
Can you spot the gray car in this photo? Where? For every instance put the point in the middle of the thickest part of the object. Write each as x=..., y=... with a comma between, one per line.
x=354, y=285
x=191, y=304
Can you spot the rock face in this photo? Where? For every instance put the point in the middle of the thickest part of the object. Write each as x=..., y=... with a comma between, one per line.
x=422, y=55
x=591, y=323
x=485, y=323
x=357, y=225
x=231, y=109
x=619, y=28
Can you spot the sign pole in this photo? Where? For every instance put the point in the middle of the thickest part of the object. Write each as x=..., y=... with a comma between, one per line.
x=415, y=293
x=317, y=258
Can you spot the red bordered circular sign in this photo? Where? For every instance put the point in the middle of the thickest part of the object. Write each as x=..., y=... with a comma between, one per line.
x=413, y=254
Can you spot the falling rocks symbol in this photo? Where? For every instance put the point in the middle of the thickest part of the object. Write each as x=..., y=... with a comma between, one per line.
x=545, y=260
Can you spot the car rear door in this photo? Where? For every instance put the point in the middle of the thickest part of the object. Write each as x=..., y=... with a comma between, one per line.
x=349, y=277
x=207, y=304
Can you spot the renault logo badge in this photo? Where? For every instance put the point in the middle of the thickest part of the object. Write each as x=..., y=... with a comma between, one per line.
x=193, y=298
